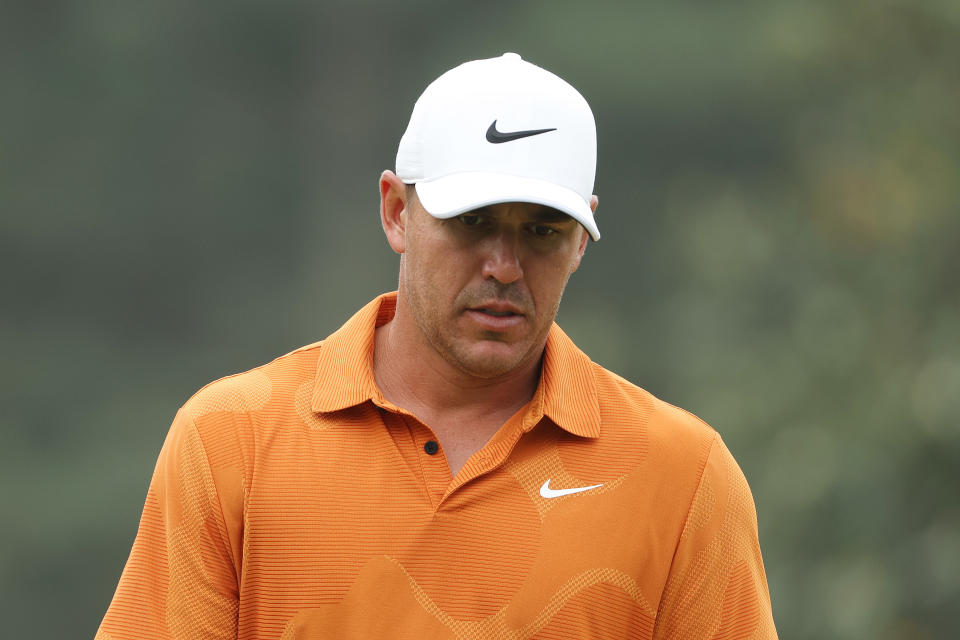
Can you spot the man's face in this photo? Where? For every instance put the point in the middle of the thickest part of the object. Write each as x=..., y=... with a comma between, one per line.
x=484, y=287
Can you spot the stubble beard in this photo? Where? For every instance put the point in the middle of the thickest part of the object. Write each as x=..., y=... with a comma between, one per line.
x=457, y=350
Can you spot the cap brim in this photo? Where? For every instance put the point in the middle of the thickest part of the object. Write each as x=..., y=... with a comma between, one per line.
x=457, y=193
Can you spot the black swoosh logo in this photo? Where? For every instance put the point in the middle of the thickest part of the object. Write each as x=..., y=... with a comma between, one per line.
x=496, y=137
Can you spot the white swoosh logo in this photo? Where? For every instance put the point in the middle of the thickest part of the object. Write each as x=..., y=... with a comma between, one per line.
x=547, y=492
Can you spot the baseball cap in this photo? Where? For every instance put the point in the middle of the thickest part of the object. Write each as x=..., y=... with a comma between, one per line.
x=501, y=130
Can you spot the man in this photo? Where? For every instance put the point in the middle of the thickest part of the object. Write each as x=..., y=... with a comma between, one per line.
x=448, y=464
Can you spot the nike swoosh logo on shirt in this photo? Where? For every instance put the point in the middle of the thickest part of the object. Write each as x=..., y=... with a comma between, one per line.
x=496, y=137
x=547, y=492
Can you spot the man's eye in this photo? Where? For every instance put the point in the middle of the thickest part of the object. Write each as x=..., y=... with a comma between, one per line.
x=471, y=219
x=543, y=230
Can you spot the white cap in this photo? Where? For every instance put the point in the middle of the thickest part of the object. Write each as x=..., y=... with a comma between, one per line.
x=501, y=130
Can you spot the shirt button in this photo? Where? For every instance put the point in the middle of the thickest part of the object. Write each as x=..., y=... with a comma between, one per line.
x=431, y=447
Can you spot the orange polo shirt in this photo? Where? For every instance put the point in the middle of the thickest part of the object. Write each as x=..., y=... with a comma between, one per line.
x=295, y=501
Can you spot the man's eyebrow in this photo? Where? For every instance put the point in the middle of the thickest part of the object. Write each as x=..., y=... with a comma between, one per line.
x=548, y=214
x=542, y=213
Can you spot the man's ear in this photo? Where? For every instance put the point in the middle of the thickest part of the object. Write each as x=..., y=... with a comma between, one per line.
x=594, y=201
x=393, y=207
x=580, y=250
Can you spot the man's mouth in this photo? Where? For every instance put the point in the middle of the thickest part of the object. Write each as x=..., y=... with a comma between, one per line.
x=496, y=312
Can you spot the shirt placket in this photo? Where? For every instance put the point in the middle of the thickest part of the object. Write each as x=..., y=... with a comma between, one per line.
x=422, y=449
x=434, y=469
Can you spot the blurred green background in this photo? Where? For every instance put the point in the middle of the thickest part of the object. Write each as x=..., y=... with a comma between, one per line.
x=190, y=189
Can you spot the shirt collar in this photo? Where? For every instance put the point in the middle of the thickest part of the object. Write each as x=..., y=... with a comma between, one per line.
x=345, y=366
x=569, y=386
x=344, y=378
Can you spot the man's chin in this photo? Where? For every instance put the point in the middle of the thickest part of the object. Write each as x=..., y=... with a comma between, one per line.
x=489, y=359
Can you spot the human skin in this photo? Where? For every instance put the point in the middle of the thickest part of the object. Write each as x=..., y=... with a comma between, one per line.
x=480, y=290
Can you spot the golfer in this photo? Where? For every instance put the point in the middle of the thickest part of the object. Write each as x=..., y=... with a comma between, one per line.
x=448, y=464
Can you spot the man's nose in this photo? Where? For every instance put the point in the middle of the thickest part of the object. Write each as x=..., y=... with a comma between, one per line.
x=502, y=258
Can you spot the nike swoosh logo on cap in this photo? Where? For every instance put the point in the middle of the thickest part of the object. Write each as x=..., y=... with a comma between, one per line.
x=496, y=137
x=547, y=492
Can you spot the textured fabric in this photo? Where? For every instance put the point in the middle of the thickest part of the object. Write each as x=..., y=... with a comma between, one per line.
x=294, y=501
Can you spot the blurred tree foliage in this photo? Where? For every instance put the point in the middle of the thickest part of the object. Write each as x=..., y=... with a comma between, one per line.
x=189, y=189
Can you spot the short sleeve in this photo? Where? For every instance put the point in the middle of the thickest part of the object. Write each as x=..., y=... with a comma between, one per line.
x=717, y=587
x=180, y=580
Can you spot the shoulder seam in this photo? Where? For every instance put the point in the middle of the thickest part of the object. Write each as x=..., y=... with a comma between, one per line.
x=223, y=521
x=693, y=498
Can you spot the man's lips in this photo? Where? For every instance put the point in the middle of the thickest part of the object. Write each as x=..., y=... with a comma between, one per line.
x=496, y=316
x=497, y=309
